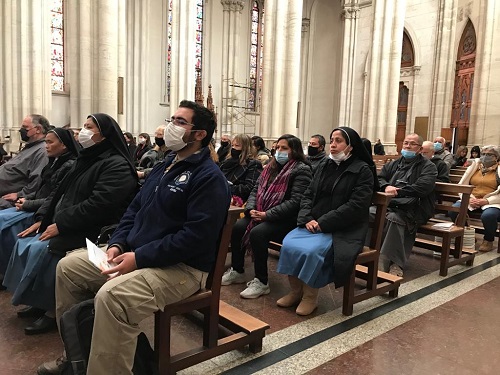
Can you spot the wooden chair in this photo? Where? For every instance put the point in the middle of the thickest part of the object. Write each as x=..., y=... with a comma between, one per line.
x=366, y=265
x=445, y=194
x=239, y=329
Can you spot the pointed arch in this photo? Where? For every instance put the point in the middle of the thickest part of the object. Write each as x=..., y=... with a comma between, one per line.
x=464, y=84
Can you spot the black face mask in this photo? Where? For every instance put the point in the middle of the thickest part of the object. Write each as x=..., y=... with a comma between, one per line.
x=224, y=144
x=159, y=141
x=235, y=153
x=24, y=134
x=312, y=151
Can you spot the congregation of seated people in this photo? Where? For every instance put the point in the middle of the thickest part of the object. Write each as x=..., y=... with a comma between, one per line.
x=314, y=200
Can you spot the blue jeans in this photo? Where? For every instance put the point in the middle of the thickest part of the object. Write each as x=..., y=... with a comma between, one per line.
x=490, y=218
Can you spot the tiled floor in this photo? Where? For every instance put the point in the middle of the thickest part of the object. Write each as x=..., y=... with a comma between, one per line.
x=437, y=326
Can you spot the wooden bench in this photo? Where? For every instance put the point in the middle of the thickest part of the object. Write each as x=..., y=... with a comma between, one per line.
x=446, y=194
x=458, y=171
x=366, y=264
x=455, y=178
x=225, y=328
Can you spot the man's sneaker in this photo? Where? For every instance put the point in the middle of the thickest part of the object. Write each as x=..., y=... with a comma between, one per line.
x=232, y=277
x=255, y=289
x=54, y=367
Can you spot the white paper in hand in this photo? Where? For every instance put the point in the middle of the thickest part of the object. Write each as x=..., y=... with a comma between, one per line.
x=99, y=257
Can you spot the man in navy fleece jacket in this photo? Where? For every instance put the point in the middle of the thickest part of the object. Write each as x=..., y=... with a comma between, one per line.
x=164, y=246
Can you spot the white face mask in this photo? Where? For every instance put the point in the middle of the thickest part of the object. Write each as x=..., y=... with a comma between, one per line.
x=142, y=141
x=173, y=137
x=85, y=138
x=338, y=158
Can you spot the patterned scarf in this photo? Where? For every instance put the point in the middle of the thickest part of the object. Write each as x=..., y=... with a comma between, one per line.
x=268, y=196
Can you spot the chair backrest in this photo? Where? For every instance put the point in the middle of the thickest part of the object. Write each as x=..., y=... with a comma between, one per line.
x=381, y=201
x=215, y=276
x=446, y=194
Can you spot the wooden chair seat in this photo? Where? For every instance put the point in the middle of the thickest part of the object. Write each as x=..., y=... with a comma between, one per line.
x=225, y=328
x=446, y=195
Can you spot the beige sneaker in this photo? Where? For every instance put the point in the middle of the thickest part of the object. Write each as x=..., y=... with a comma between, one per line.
x=53, y=367
x=486, y=246
x=395, y=270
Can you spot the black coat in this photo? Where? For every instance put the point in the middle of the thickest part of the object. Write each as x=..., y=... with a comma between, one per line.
x=347, y=218
x=420, y=184
x=242, y=177
x=288, y=209
x=91, y=199
x=52, y=175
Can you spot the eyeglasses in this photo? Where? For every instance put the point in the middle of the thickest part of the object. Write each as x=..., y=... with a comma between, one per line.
x=411, y=144
x=178, y=121
x=488, y=154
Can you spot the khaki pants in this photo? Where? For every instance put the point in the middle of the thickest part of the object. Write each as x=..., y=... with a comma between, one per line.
x=120, y=304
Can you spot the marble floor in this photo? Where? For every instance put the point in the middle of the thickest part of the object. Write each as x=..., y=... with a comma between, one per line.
x=437, y=325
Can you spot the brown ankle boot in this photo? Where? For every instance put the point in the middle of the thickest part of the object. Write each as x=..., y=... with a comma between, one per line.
x=486, y=246
x=309, y=300
x=295, y=295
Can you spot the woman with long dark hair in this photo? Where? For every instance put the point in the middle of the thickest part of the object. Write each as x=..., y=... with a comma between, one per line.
x=271, y=212
x=94, y=194
x=143, y=146
x=332, y=222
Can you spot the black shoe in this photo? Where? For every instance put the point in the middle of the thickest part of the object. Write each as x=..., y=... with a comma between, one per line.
x=2, y=287
x=30, y=312
x=41, y=325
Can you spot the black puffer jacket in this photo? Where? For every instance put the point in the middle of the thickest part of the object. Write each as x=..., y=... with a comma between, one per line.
x=347, y=218
x=52, y=175
x=300, y=178
x=420, y=183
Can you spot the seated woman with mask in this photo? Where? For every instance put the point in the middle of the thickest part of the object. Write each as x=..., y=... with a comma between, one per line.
x=484, y=174
x=240, y=167
x=271, y=212
x=94, y=194
x=62, y=151
x=332, y=222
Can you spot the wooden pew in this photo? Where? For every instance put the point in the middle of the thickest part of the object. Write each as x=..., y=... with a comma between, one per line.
x=225, y=327
x=366, y=264
x=455, y=178
x=446, y=194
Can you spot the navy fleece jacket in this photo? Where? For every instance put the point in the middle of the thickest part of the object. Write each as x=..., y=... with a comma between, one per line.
x=177, y=216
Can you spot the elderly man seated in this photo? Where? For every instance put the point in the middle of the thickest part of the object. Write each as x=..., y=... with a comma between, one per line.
x=19, y=175
x=441, y=166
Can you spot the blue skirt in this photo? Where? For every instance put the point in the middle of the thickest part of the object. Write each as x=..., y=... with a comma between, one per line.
x=308, y=256
x=31, y=274
x=12, y=222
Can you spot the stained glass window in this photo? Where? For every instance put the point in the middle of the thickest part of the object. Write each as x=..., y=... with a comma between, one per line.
x=256, y=48
x=199, y=35
x=57, y=45
x=169, y=48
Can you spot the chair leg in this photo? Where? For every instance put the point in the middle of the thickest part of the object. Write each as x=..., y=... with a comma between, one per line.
x=348, y=300
x=162, y=342
x=371, y=281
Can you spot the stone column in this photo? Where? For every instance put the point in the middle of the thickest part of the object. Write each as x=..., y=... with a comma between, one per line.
x=24, y=63
x=183, y=51
x=303, y=132
x=281, y=65
x=486, y=97
x=350, y=16
x=384, y=70
x=231, y=30
x=443, y=68
x=92, y=60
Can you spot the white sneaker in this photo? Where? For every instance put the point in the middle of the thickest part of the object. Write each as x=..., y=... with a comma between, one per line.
x=255, y=289
x=232, y=277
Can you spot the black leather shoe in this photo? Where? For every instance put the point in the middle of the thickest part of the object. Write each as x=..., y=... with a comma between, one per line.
x=30, y=312
x=41, y=325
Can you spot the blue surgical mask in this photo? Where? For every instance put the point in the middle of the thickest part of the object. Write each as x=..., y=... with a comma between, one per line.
x=281, y=157
x=438, y=146
x=407, y=154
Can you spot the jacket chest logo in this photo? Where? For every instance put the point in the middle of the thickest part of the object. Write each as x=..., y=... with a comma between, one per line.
x=183, y=178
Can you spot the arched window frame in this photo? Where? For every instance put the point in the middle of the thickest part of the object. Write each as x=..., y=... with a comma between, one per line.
x=256, y=52
x=57, y=48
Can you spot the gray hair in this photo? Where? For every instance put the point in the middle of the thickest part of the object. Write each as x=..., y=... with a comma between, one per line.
x=492, y=148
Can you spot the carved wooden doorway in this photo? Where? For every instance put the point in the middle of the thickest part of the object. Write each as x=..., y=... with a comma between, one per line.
x=464, y=84
x=407, y=60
